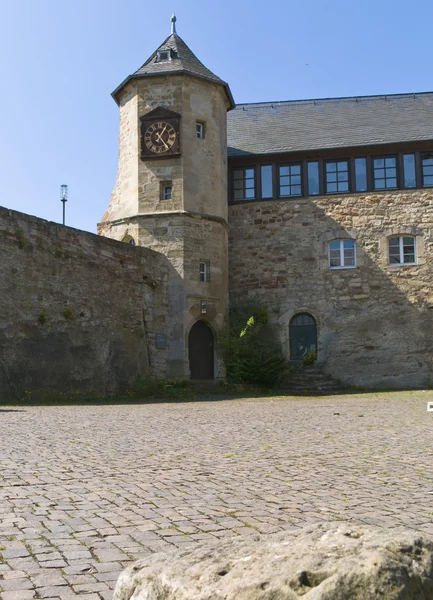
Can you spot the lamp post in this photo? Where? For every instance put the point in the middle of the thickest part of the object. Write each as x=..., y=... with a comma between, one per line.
x=63, y=198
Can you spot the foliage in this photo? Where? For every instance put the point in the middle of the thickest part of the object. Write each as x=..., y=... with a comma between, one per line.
x=22, y=241
x=68, y=312
x=43, y=316
x=310, y=358
x=251, y=348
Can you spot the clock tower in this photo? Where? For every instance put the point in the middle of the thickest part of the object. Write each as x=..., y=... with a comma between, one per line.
x=171, y=196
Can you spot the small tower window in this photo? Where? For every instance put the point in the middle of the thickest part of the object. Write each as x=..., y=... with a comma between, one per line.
x=163, y=56
x=128, y=239
x=199, y=130
x=166, y=190
x=204, y=271
x=203, y=307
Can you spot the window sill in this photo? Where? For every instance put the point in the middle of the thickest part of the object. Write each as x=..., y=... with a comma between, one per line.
x=399, y=265
x=342, y=268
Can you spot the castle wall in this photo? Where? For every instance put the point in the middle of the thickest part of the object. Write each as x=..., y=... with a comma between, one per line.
x=104, y=302
x=375, y=322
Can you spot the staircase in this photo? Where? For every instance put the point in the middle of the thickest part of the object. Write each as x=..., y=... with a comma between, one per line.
x=311, y=381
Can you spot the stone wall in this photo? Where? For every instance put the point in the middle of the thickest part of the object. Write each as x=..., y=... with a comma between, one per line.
x=78, y=312
x=192, y=225
x=375, y=322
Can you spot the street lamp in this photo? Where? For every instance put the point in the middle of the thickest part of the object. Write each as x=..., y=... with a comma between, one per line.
x=63, y=198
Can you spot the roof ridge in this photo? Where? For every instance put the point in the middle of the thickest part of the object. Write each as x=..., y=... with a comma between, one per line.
x=330, y=99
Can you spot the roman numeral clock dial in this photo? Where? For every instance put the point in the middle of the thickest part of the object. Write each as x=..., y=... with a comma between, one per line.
x=160, y=137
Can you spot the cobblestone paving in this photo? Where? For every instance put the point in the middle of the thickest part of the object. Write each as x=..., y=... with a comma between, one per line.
x=84, y=490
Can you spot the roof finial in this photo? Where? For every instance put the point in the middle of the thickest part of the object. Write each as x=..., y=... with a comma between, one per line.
x=173, y=23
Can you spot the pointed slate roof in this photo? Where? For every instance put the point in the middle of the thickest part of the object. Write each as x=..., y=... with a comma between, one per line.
x=183, y=60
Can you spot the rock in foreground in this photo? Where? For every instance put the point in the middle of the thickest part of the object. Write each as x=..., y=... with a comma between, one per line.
x=321, y=562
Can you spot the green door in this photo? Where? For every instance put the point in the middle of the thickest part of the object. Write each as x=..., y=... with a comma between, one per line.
x=303, y=336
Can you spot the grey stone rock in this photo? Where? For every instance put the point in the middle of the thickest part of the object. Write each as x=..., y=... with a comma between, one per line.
x=320, y=562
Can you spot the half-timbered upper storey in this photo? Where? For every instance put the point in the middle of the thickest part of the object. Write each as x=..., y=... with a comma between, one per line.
x=283, y=150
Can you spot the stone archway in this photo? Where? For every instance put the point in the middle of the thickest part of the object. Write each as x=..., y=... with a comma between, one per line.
x=201, y=351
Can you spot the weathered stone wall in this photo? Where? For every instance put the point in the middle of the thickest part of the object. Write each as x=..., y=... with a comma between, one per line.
x=190, y=227
x=118, y=295
x=375, y=322
x=186, y=239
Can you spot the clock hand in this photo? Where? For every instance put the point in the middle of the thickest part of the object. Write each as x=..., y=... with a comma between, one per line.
x=161, y=140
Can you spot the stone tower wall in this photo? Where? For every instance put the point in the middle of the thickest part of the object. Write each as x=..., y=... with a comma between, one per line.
x=118, y=297
x=190, y=227
x=375, y=322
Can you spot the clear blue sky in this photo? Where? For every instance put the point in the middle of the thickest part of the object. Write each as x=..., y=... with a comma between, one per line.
x=60, y=60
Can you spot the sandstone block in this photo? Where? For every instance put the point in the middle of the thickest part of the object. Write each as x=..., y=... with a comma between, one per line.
x=320, y=562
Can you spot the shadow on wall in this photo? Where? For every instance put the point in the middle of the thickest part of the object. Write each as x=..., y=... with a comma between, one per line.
x=375, y=322
x=73, y=311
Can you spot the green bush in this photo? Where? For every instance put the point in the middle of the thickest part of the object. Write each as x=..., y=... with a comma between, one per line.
x=251, y=348
x=309, y=359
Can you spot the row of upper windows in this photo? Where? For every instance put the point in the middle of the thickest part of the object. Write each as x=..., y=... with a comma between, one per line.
x=312, y=178
x=401, y=252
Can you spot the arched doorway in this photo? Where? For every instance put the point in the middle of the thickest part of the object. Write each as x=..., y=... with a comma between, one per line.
x=303, y=336
x=201, y=351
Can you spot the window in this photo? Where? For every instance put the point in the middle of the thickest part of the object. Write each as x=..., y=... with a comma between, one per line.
x=290, y=180
x=402, y=250
x=427, y=170
x=409, y=170
x=199, y=130
x=342, y=254
x=360, y=174
x=163, y=56
x=313, y=179
x=244, y=185
x=337, y=177
x=385, y=173
x=303, y=336
x=205, y=271
x=266, y=176
x=203, y=307
x=166, y=190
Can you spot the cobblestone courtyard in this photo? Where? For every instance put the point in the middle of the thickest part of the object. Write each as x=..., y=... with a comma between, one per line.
x=84, y=490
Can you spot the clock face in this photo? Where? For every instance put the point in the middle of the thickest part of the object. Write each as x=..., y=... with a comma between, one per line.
x=160, y=137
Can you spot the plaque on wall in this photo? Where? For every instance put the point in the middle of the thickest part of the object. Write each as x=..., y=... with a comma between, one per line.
x=161, y=341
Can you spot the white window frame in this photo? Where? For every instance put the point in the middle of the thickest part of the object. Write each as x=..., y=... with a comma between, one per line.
x=401, y=248
x=204, y=273
x=342, y=265
x=199, y=130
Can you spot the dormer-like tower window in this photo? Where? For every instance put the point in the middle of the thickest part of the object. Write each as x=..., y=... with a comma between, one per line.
x=163, y=56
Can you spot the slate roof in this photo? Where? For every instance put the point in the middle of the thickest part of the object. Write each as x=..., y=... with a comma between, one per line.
x=183, y=61
x=300, y=125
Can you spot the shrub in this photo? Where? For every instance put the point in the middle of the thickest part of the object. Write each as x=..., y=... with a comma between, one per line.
x=43, y=316
x=310, y=358
x=251, y=348
x=68, y=312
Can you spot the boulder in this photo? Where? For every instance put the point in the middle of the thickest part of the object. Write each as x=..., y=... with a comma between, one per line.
x=320, y=562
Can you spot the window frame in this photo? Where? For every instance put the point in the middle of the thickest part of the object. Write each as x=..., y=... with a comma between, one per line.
x=244, y=168
x=301, y=184
x=205, y=271
x=401, y=250
x=164, y=186
x=422, y=156
x=342, y=265
x=199, y=124
x=397, y=172
x=325, y=181
x=260, y=175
